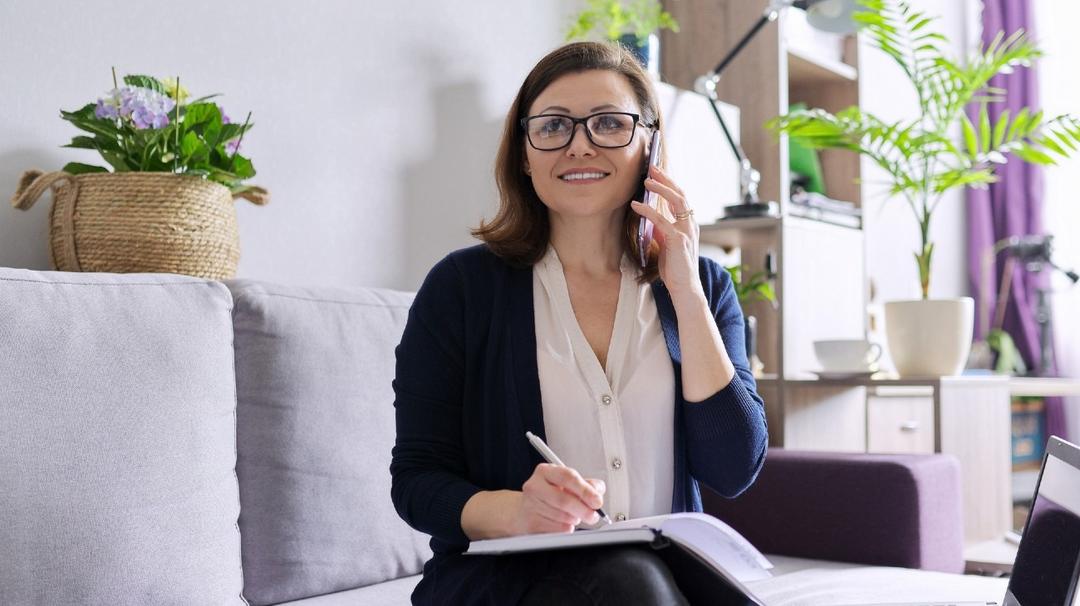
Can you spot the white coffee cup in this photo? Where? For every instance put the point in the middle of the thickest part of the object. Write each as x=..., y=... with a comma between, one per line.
x=847, y=355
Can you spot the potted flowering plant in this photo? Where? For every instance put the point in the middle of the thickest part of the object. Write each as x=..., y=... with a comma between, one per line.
x=166, y=204
x=922, y=161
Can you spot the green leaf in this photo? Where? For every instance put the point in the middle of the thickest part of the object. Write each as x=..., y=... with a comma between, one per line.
x=204, y=98
x=146, y=82
x=82, y=142
x=765, y=291
x=85, y=112
x=1032, y=155
x=196, y=114
x=78, y=168
x=190, y=144
x=984, y=129
x=999, y=129
x=1049, y=143
x=1019, y=124
x=96, y=126
x=970, y=141
x=242, y=167
x=1065, y=139
x=118, y=161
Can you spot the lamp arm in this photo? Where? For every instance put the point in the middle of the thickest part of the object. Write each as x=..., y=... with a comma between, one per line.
x=706, y=85
x=1070, y=274
x=740, y=155
x=769, y=14
x=748, y=177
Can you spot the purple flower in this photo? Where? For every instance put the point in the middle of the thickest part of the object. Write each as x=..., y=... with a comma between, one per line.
x=144, y=107
x=143, y=118
x=106, y=110
x=232, y=146
x=224, y=117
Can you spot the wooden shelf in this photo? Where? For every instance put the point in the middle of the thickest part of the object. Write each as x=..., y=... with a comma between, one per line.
x=804, y=68
x=730, y=233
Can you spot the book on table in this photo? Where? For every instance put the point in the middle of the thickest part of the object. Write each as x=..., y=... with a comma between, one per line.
x=709, y=559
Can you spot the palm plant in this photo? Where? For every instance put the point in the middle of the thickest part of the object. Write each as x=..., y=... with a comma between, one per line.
x=919, y=155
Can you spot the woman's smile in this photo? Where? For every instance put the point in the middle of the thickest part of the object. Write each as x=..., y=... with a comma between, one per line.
x=583, y=176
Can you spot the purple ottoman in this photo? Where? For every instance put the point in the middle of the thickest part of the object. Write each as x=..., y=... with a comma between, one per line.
x=884, y=510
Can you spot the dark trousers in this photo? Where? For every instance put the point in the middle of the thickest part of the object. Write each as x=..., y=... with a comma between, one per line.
x=609, y=576
x=615, y=575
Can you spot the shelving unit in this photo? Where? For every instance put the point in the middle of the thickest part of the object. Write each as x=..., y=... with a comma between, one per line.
x=804, y=69
x=763, y=81
x=820, y=280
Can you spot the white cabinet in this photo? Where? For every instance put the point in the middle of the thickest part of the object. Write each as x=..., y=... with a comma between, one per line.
x=900, y=420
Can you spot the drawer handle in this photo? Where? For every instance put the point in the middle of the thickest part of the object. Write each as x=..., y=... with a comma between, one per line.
x=910, y=426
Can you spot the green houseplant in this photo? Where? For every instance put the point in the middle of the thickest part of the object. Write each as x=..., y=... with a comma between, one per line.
x=633, y=23
x=919, y=156
x=750, y=287
x=922, y=157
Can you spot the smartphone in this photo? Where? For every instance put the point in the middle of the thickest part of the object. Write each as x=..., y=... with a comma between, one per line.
x=645, y=226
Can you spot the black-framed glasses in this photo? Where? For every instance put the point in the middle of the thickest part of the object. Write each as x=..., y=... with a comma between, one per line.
x=611, y=130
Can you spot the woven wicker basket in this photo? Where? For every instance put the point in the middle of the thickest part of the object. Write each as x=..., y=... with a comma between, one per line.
x=139, y=222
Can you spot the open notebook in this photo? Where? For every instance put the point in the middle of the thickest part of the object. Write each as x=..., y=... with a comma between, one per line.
x=706, y=555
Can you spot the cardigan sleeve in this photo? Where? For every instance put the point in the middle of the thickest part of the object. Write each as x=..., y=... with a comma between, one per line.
x=428, y=467
x=727, y=435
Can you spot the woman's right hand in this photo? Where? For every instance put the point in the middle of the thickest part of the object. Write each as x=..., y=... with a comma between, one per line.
x=556, y=499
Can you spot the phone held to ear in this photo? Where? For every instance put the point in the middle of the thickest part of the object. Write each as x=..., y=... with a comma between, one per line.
x=645, y=226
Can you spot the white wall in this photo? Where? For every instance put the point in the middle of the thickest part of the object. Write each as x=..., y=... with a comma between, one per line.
x=376, y=122
x=1059, y=94
x=892, y=233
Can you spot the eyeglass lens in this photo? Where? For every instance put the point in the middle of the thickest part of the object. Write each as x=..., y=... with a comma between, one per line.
x=605, y=130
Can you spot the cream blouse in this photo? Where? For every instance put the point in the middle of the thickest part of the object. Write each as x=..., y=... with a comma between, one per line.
x=615, y=424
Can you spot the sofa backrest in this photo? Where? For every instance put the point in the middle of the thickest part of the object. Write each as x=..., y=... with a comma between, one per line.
x=315, y=429
x=117, y=440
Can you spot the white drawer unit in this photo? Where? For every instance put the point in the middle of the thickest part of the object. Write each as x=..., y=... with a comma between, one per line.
x=899, y=422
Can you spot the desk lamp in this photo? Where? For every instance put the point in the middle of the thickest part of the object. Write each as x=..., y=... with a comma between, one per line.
x=834, y=16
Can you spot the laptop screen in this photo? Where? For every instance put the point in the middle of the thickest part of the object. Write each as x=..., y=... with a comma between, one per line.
x=1048, y=558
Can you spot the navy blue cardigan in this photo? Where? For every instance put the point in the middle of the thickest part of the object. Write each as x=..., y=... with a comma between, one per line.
x=467, y=389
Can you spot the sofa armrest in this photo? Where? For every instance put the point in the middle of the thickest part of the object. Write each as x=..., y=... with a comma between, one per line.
x=885, y=510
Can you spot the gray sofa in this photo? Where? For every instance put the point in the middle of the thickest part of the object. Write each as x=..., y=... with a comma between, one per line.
x=168, y=440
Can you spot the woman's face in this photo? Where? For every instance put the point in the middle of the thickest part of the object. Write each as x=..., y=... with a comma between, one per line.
x=580, y=95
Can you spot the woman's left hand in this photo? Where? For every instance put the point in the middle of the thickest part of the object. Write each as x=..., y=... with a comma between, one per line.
x=677, y=237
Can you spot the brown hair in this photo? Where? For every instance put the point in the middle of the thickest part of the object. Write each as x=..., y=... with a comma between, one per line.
x=520, y=231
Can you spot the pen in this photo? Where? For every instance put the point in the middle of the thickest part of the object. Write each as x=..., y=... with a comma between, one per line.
x=552, y=458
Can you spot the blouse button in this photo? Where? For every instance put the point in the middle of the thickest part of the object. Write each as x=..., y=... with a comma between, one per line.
x=605, y=400
x=620, y=517
x=616, y=463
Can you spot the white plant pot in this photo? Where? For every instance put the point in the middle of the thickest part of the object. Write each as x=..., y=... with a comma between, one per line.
x=929, y=338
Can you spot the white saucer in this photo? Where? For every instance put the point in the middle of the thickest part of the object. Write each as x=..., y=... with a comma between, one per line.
x=844, y=374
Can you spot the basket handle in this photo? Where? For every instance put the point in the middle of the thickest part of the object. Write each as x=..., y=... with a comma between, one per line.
x=32, y=184
x=258, y=196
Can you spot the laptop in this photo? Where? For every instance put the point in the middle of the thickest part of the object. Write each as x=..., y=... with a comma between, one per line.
x=1046, y=571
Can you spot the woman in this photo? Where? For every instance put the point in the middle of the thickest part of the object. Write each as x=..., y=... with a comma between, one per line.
x=636, y=377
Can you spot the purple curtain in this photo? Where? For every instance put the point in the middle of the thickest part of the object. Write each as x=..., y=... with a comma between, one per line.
x=1012, y=206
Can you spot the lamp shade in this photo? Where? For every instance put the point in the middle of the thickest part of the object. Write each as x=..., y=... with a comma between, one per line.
x=830, y=15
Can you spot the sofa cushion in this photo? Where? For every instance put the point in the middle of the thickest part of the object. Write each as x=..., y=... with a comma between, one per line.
x=316, y=426
x=391, y=593
x=881, y=509
x=117, y=440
